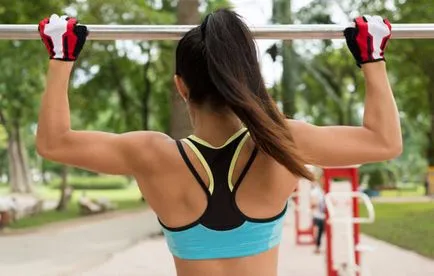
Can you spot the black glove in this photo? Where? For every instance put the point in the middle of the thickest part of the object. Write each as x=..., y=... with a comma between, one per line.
x=62, y=36
x=368, y=39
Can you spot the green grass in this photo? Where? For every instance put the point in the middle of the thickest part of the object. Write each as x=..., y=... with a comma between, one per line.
x=418, y=191
x=93, y=182
x=407, y=225
x=128, y=198
x=72, y=212
x=132, y=192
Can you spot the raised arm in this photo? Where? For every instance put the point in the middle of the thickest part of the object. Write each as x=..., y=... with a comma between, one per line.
x=96, y=151
x=379, y=138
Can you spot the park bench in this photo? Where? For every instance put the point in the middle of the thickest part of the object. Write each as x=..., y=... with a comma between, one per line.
x=88, y=206
x=24, y=206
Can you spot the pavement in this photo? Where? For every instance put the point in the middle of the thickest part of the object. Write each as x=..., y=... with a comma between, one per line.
x=122, y=245
x=151, y=257
x=67, y=248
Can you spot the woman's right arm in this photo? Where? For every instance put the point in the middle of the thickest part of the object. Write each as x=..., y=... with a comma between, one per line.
x=377, y=140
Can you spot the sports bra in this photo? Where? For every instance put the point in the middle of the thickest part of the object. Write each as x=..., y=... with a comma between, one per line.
x=222, y=231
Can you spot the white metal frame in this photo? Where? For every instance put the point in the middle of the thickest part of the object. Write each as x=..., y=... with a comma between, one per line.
x=352, y=268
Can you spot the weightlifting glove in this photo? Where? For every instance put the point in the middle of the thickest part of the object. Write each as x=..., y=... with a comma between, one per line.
x=62, y=37
x=368, y=39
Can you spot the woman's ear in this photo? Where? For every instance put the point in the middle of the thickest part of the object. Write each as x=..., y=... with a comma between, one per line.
x=181, y=87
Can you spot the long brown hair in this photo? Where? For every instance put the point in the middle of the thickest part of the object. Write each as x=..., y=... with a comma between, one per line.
x=218, y=62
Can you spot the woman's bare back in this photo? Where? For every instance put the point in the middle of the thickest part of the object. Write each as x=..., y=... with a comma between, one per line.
x=177, y=198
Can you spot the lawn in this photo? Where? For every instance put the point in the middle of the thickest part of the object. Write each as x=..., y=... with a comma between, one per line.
x=408, y=225
x=418, y=190
x=128, y=198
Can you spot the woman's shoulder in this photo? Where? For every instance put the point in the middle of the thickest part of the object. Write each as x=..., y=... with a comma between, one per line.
x=149, y=146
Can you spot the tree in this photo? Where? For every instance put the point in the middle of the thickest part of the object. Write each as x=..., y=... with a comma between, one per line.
x=3, y=152
x=332, y=88
x=187, y=14
x=414, y=53
x=292, y=62
x=413, y=83
x=63, y=200
x=20, y=84
x=282, y=14
x=130, y=78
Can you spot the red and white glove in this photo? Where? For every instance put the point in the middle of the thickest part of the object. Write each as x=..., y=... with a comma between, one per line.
x=368, y=39
x=62, y=37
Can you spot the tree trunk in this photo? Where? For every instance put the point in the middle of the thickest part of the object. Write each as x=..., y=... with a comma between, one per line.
x=289, y=79
x=180, y=126
x=65, y=192
x=43, y=172
x=18, y=166
x=282, y=14
x=3, y=163
x=430, y=151
x=146, y=93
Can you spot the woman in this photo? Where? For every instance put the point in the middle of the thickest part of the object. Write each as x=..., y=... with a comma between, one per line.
x=221, y=194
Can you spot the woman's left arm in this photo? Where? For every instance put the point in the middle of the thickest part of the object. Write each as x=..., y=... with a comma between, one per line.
x=92, y=150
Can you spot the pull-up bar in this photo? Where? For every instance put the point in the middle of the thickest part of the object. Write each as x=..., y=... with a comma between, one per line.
x=174, y=32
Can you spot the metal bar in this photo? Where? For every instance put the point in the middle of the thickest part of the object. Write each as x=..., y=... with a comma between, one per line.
x=175, y=32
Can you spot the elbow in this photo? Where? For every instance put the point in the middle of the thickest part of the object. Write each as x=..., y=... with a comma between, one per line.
x=394, y=150
x=48, y=149
x=44, y=150
x=398, y=150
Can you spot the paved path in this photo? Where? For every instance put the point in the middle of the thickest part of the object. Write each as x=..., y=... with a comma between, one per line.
x=151, y=258
x=64, y=250
x=118, y=247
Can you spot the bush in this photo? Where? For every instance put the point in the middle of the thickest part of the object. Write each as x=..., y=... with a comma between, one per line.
x=94, y=183
x=378, y=178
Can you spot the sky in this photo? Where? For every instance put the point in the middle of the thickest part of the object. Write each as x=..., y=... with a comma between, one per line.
x=258, y=12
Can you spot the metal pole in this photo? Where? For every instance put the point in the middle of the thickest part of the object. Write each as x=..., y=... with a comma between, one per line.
x=174, y=32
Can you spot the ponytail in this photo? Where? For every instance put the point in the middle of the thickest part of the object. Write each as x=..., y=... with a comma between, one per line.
x=230, y=54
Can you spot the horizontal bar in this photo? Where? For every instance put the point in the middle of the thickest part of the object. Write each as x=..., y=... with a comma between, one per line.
x=175, y=32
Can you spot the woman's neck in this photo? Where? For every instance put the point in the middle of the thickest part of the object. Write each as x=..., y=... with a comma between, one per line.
x=215, y=127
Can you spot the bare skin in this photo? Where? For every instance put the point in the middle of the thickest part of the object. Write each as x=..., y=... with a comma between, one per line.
x=169, y=187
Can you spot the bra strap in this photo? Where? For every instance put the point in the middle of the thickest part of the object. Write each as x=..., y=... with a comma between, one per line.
x=190, y=166
x=246, y=168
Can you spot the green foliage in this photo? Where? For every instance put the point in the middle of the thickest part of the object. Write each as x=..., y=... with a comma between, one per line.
x=332, y=88
x=378, y=176
x=22, y=79
x=407, y=225
x=213, y=5
x=123, y=86
x=3, y=138
x=94, y=183
x=126, y=85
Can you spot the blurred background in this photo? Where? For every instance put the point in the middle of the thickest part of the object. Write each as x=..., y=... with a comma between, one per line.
x=121, y=86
